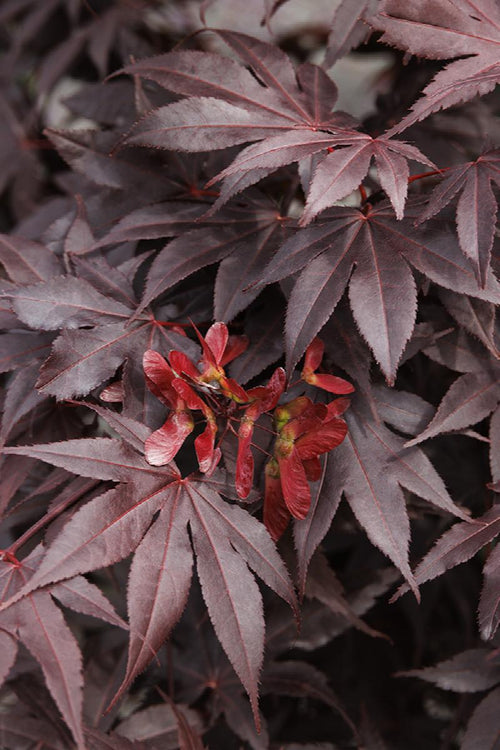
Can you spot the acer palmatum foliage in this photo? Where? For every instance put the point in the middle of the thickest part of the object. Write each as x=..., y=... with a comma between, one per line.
x=245, y=340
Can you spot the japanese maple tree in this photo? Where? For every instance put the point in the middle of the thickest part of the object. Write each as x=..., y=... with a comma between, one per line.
x=250, y=415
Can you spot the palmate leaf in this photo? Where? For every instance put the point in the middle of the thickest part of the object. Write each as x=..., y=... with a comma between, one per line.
x=472, y=396
x=289, y=112
x=370, y=252
x=226, y=540
x=242, y=237
x=27, y=262
x=340, y=172
x=443, y=31
x=476, y=208
x=467, y=672
x=457, y=545
x=38, y=623
x=92, y=312
x=370, y=467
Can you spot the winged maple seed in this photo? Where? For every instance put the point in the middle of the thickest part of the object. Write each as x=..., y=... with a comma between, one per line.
x=303, y=430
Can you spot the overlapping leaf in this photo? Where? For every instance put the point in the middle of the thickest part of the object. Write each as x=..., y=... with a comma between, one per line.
x=370, y=467
x=226, y=540
x=290, y=114
x=370, y=252
x=459, y=29
x=457, y=545
x=95, y=337
x=476, y=208
x=474, y=395
x=37, y=622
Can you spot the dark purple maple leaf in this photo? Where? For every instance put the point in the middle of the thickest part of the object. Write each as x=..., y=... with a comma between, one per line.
x=370, y=467
x=38, y=623
x=476, y=208
x=93, y=317
x=291, y=115
x=489, y=603
x=463, y=29
x=472, y=396
x=457, y=545
x=369, y=251
x=225, y=538
x=470, y=671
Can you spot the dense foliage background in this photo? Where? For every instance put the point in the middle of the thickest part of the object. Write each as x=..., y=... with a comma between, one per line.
x=242, y=165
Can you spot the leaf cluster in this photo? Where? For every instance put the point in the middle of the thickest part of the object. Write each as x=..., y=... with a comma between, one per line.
x=198, y=256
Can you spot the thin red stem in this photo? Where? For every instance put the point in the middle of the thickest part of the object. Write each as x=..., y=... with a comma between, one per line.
x=43, y=521
x=421, y=176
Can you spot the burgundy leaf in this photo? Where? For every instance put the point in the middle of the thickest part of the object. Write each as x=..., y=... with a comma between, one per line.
x=21, y=397
x=82, y=596
x=205, y=74
x=159, y=583
x=97, y=740
x=229, y=589
x=495, y=445
x=340, y=172
x=99, y=458
x=370, y=465
x=20, y=348
x=238, y=715
x=153, y=222
x=476, y=316
x=272, y=67
x=406, y=412
x=476, y=208
x=469, y=671
x=83, y=359
x=245, y=265
x=471, y=398
x=134, y=433
x=82, y=150
x=65, y=302
x=323, y=585
x=155, y=724
x=460, y=29
x=281, y=149
x=202, y=124
x=27, y=262
x=79, y=238
x=457, y=545
x=56, y=650
x=104, y=531
x=189, y=253
x=23, y=731
x=308, y=533
x=380, y=247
